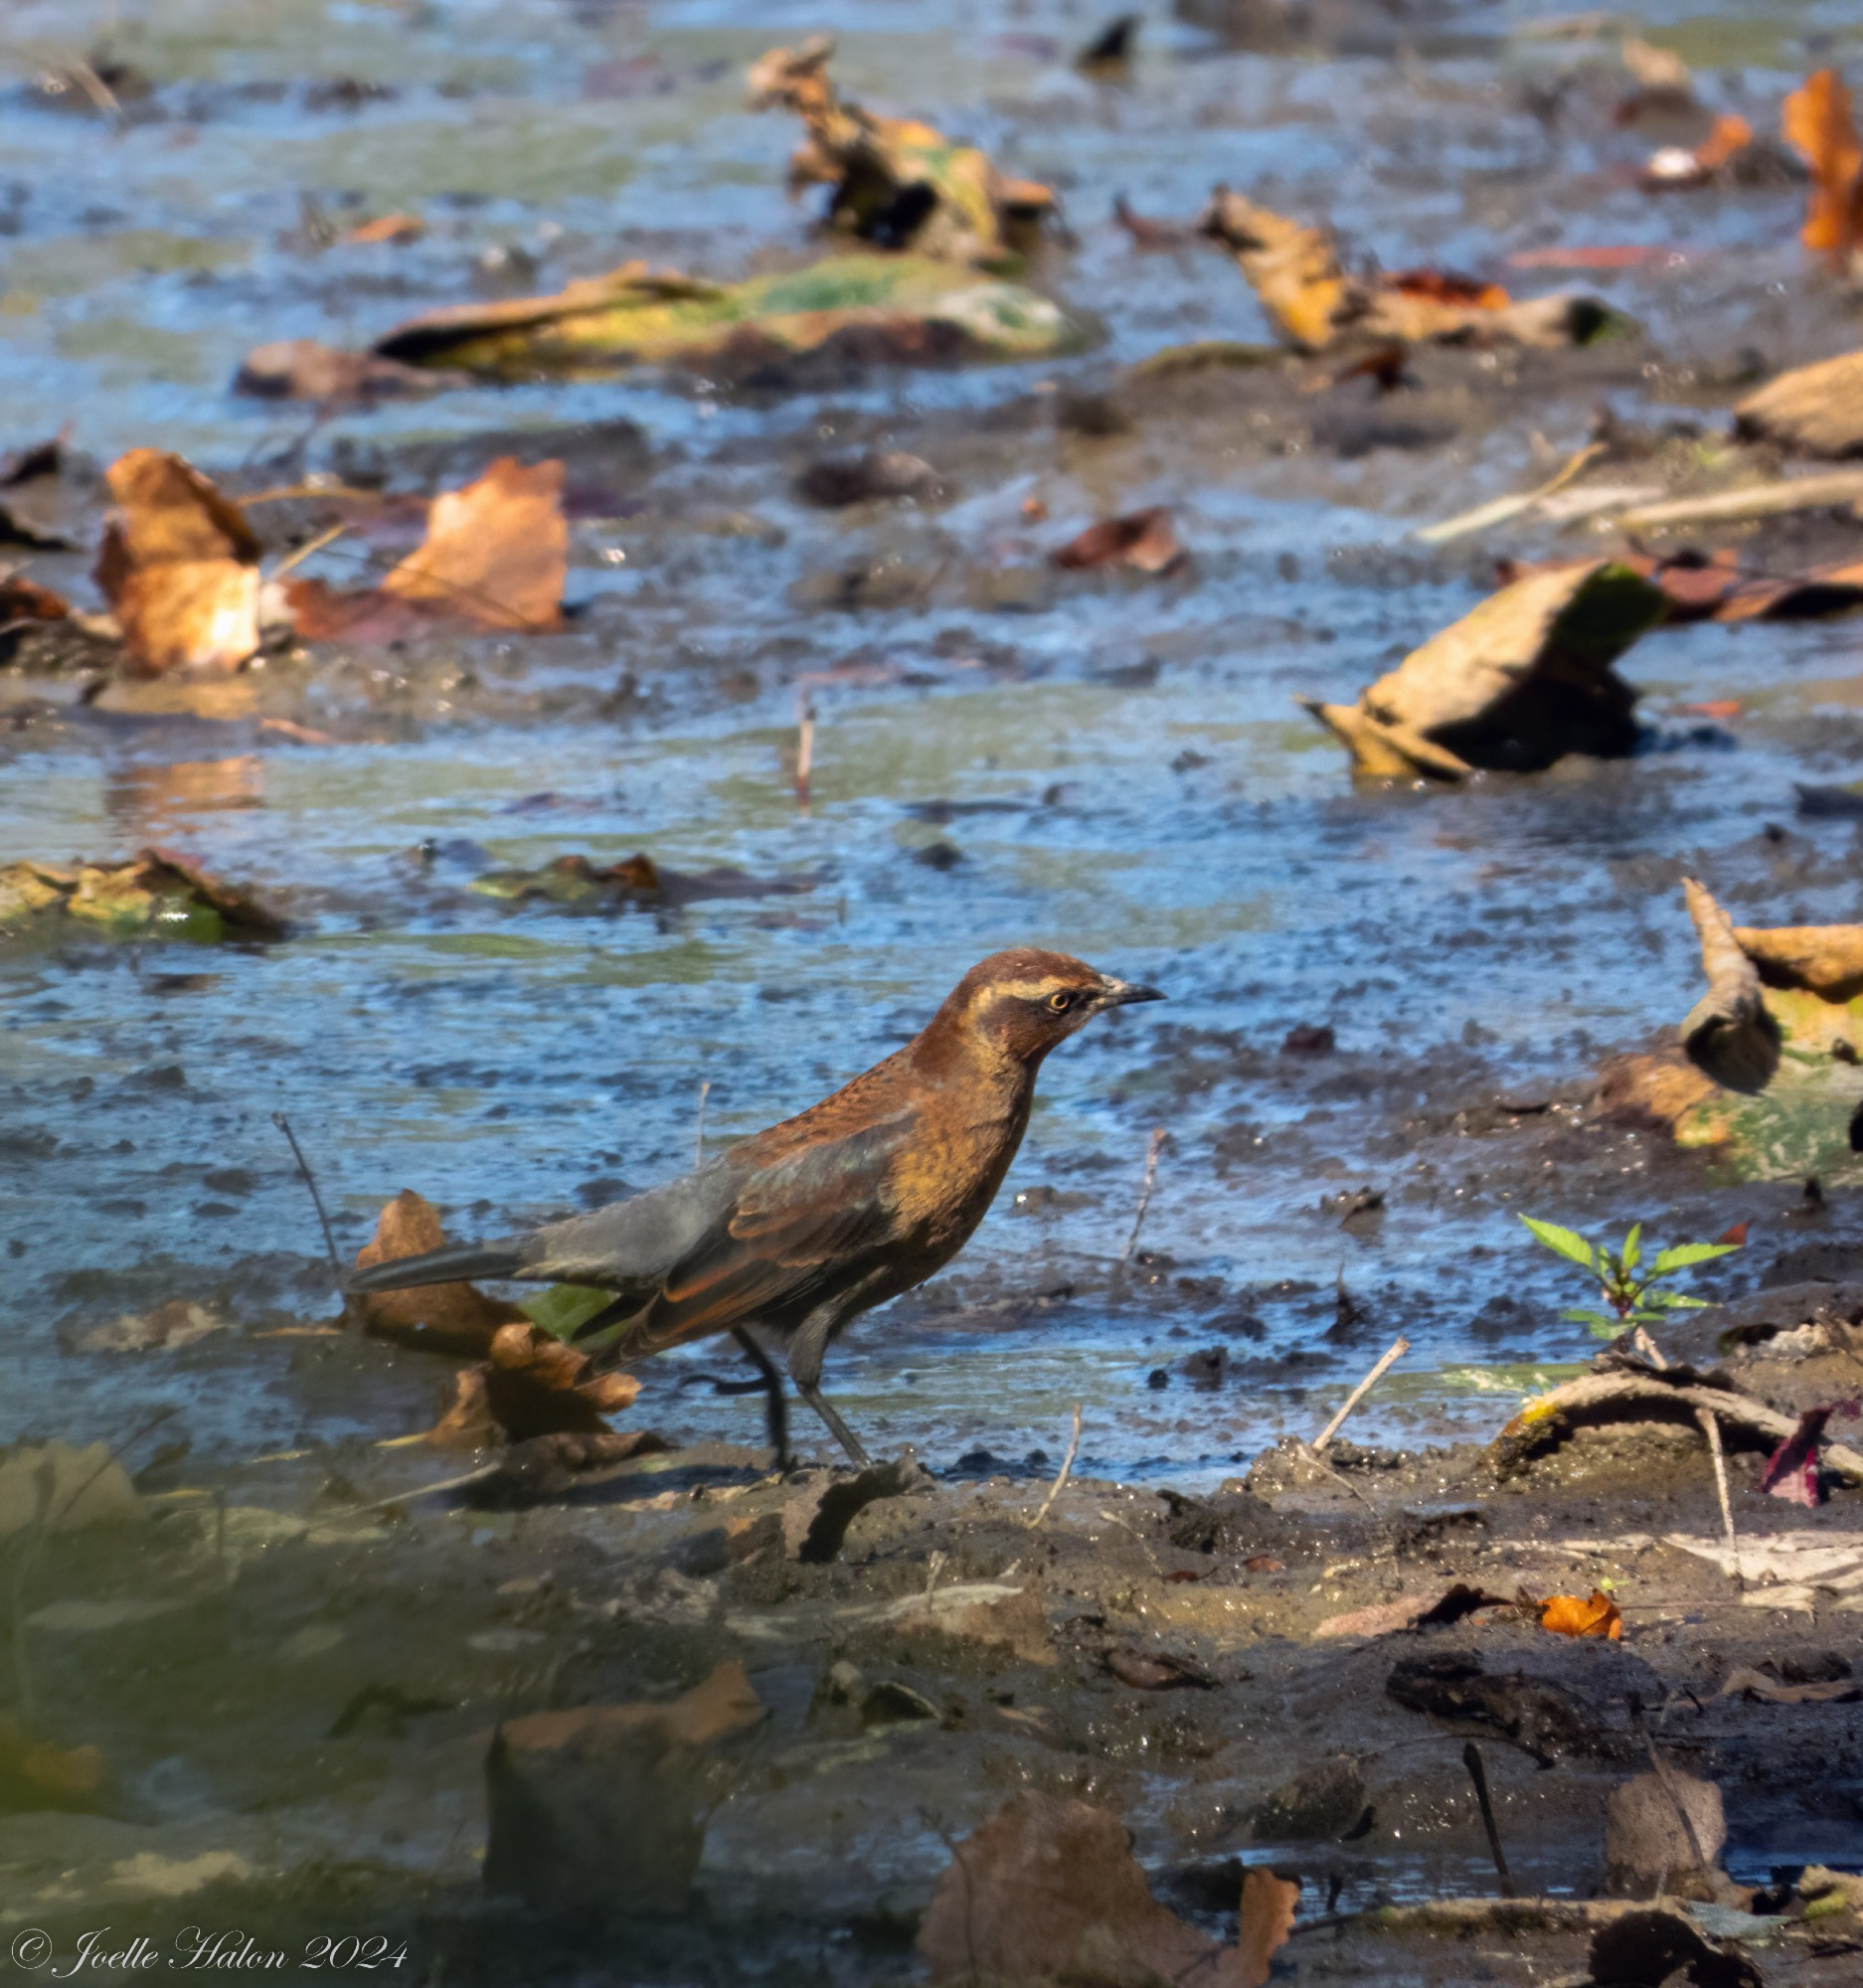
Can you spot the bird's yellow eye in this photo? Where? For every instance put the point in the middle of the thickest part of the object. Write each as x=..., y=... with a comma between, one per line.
x=1059, y=1004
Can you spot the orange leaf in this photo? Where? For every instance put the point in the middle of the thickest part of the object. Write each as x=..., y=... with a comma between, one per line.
x=1817, y=123
x=179, y=567
x=1567, y=1615
x=1445, y=286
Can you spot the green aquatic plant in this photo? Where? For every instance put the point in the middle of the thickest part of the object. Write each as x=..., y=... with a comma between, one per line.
x=1631, y=1289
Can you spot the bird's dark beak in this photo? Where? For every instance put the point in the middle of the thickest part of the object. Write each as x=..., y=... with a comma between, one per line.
x=1122, y=993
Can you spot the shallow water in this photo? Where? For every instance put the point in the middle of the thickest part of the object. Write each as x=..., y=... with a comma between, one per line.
x=1120, y=770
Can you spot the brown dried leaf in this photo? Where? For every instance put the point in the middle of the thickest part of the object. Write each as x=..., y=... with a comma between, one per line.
x=388, y=228
x=302, y=369
x=1812, y=410
x=1142, y=540
x=1268, y=1904
x=447, y=1318
x=1817, y=124
x=494, y=557
x=1152, y=1670
x=179, y=565
x=1743, y=1682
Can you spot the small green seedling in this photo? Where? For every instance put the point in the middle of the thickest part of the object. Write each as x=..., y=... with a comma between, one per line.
x=1633, y=1301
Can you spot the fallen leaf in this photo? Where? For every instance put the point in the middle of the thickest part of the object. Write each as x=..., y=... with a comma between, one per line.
x=1152, y=1670
x=1817, y=124
x=1422, y=1608
x=835, y=482
x=1049, y=1888
x=1142, y=540
x=40, y=498
x=893, y=181
x=65, y=1488
x=179, y=567
x=857, y=309
x=1743, y=1682
x=634, y=882
x=1518, y=683
x=388, y=228
x=178, y=1323
x=1654, y=68
x=1716, y=587
x=1567, y=1615
x=1310, y=299
x=24, y=600
x=1811, y=410
x=495, y=556
x=542, y=1468
x=1791, y=1471
x=1736, y=1235
x=458, y=1319
x=155, y=892
x=1269, y=1906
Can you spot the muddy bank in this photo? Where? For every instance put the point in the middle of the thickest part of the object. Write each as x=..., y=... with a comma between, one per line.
x=916, y=1651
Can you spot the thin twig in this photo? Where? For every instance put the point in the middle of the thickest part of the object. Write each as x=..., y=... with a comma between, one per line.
x=316, y=545
x=329, y=1238
x=1067, y=1464
x=804, y=744
x=1711, y=1427
x=1144, y=1195
x=705, y=1091
x=1665, y=1775
x=1479, y=1773
x=1388, y=1358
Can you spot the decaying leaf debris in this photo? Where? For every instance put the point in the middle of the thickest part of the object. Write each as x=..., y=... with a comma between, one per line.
x=896, y=182
x=156, y=893
x=854, y=308
x=1313, y=302
x=1764, y=1074
x=1518, y=683
x=1810, y=411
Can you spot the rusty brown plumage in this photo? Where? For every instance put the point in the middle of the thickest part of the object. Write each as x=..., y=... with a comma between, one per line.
x=791, y=1233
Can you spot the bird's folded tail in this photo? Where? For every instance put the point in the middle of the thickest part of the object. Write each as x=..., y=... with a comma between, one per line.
x=440, y=1266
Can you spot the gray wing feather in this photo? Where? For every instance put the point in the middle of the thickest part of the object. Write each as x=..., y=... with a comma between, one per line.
x=632, y=1243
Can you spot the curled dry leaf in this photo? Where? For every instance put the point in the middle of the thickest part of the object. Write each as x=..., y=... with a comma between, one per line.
x=533, y=1386
x=179, y=567
x=1152, y=1670
x=1144, y=541
x=1567, y=1615
x=1766, y=1073
x=1297, y=273
x=897, y=182
x=494, y=557
x=1518, y=683
x=458, y=1319
x=1817, y=123
x=388, y=228
x=858, y=309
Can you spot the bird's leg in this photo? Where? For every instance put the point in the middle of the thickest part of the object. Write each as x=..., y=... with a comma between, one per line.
x=774, y=1406
x=806, y=1355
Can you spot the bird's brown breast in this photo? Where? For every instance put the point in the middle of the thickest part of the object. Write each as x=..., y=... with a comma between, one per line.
x=947, y=1176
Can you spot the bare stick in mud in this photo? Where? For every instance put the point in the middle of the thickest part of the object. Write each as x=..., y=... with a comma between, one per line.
x=1479, y=1773
x=1146, y=1185
x=1067, y=1464
x=1711, y=1428
x=1666, y=1775
x=316, y=1201
x=698, y=1157
x=1386, y=1361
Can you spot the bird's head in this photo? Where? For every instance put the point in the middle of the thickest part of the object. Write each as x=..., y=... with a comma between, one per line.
x=1014, y=1007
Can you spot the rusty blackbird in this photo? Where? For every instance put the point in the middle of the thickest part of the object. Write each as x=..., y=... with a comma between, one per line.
x=791, y=1233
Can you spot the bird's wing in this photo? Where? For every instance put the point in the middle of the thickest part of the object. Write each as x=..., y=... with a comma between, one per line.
x=803, y=1223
